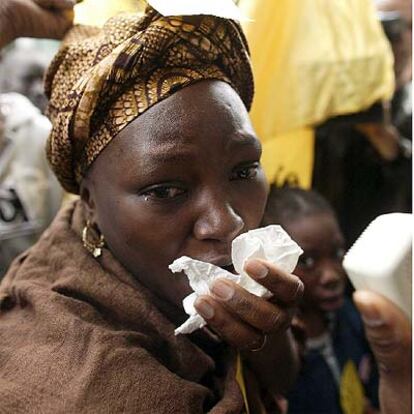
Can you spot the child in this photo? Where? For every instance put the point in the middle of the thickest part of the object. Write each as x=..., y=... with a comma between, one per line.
x=338, y=373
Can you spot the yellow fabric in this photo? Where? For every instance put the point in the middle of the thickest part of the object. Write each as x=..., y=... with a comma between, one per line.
x=288, y=158
x=312, y=60
x=351, y=390
x=97, y=12
x=240, y=381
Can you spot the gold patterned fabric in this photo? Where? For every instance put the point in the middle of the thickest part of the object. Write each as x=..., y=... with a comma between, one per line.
x=102, y=79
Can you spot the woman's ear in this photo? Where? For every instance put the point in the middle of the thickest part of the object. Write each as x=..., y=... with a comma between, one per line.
x=86, y=195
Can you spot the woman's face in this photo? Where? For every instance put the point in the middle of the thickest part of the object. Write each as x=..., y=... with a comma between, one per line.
x=320, y=266
x=182, y=179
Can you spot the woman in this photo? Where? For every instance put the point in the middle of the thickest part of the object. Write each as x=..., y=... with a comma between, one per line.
x=150, y=128
x=83, y=334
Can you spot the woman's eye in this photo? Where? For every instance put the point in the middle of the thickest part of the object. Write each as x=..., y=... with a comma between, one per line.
x=163, y=193
x=246, y=172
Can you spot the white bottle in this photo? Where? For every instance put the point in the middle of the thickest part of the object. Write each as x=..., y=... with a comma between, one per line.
x=381, y=259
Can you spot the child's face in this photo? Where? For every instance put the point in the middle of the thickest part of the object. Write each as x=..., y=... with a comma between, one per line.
x=320, y=266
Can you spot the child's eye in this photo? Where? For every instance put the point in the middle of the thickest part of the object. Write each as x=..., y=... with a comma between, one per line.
x=340, y=253
x=162, y=192
x=246, y=172
x=306, y=262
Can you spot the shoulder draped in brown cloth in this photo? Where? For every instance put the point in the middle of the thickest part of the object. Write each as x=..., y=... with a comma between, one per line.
x=79, y=335
x=101, y=80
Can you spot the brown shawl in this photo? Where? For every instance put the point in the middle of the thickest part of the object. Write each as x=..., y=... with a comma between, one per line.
x=79, y=335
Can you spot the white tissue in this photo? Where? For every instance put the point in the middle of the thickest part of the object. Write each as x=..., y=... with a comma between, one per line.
x=201, y=276
x=226, y=9
x=270, y=243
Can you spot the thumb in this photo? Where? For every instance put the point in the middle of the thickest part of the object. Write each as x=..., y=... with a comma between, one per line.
x=388, y=331
x=387, y=327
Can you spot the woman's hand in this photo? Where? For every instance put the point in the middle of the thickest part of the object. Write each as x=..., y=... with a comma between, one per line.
x=243, y=319
x=34, y=18
x=251, y=323
x=389, y=334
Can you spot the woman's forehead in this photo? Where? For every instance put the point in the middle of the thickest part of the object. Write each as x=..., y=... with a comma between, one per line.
x=196, y=105
x=206, y=120
x=206, y=109
x=184, y=145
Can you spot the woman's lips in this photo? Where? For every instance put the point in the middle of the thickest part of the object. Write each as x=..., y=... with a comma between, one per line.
x=224, y=261
x=220, y=261
x=230, y=269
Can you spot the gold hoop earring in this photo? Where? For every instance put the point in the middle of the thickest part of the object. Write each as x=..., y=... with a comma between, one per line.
x=93, y=246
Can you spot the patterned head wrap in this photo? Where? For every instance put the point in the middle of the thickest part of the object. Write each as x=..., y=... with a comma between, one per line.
x=102, y=79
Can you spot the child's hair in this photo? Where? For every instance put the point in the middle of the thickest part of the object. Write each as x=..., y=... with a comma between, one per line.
x=285, y=204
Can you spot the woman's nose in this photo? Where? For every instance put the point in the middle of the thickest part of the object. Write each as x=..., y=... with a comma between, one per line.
x=218, y=221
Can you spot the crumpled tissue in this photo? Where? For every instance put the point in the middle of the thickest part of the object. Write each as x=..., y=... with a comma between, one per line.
x=270, y=243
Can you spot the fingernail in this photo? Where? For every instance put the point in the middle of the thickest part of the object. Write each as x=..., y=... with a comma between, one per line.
x=256, y=269
x=372, y=323
x=204, y=308
x=369, y=312
x=222, y=290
